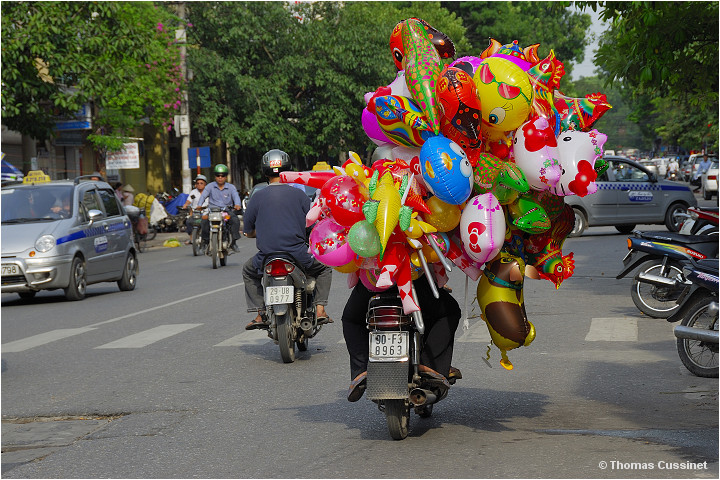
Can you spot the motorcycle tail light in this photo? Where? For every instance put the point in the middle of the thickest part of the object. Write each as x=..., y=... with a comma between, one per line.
x=279, y=268
x=387, y=317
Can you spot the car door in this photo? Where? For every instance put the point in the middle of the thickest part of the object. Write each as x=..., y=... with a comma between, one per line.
x=118, y=227
x=639, y=195
x=95, y=242
x=602, y=205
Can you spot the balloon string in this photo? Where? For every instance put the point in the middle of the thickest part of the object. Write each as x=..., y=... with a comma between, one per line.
x=487, y=356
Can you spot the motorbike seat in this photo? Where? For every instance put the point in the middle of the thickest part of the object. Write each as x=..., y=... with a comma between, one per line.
x=678, y=238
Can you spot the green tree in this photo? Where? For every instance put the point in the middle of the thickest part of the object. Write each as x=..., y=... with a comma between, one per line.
x=58, y=56
x=552, y=26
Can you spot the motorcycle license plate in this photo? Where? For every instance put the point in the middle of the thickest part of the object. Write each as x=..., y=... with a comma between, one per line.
x=279, y=295
x=10, y=270
x=389, y=345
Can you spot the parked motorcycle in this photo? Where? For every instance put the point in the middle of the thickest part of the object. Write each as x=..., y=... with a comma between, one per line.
x=289, y=304
x=700, y=221
x=220, y=237
x=697, y=334
x=660, y=256
x=394, y=381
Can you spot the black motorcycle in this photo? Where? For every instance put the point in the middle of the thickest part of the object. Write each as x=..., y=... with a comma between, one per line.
x=394, y=381
x=697, y=334
x=660, y=256
x=289, y=294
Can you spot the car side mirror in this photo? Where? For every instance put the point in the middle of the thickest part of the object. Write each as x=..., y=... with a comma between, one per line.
x=95, y=215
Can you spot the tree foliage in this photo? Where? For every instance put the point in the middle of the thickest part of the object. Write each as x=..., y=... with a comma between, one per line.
x=58, y=56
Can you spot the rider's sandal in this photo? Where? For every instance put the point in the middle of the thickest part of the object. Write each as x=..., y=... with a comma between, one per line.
x=324, y=320
x=430, y=376
x=263, y=323
x=357, y=387
x=454, y=374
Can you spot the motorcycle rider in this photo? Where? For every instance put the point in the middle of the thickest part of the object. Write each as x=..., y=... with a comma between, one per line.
x=221, y=194
x=441, y=317
x=275, y=217
x=192, y=202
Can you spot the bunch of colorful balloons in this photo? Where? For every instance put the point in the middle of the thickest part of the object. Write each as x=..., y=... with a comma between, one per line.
x=474, y=158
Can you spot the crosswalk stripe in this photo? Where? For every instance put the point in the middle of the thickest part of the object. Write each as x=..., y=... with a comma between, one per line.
x=42, y=339
x=143, y=339
x=617, y=329
x=477, y=333
x=252, y=337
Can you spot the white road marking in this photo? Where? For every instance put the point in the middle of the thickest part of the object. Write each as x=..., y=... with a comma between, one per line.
x=622, y=329
x=42, y=339
x=477, y=333
x=147, y=337
x=129, y=315
x=252, y=337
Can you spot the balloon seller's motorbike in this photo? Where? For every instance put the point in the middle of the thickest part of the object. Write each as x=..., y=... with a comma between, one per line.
x=220, y=237
x=289, y=294
x=660, y=256
x=700, y=221
x=697, y=334
x=393, y=379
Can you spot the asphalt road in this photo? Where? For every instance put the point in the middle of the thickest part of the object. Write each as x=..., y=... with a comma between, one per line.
x=164, y=382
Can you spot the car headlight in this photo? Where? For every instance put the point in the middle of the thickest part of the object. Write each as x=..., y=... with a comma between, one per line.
x=45, y=243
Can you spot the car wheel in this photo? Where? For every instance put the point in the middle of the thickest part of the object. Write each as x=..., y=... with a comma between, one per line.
x=129, y=277
x=78, y=280
x=580, y=223
x=625, y=229
x=707, y=195
x=675, y=216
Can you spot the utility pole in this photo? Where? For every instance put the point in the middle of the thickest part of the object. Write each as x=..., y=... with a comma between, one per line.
x=184, y=118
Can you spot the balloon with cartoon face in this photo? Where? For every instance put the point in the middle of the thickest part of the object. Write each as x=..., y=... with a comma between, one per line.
x=505, y=95
x=482, y=227
x=446, y=170
x=536, y=153
x=578, y=152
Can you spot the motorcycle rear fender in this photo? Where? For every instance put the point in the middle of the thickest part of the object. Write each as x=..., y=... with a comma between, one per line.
x=685, y=301
x=633, y=260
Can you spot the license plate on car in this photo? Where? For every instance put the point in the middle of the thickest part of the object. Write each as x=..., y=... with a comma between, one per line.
x=389, y=345
x=10, y=270
x=278, y=295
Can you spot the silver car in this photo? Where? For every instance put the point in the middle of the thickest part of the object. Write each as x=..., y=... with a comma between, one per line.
x=65, y=234
x=629, y=194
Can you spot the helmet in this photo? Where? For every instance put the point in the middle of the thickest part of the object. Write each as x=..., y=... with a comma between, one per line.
x=220, y=168
x=274, y=162
x=201, y=177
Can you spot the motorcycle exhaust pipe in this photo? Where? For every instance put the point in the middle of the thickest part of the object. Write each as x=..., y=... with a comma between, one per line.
x=420, y=396
x=306, y=324
x=708, y=336
x=657, y=280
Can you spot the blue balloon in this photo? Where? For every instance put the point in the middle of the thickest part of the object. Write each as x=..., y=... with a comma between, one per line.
x=446, y=170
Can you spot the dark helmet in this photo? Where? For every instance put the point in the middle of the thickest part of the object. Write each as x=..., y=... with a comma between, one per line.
x=274, y=162
x=220, y=168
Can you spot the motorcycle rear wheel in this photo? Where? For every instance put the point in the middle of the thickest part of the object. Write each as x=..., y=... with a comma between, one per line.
x=397, y=414
x=286, y=339
x=152, y=232
x=196, y=242
x=214, y=244
x=700, y=358
x=654, y=301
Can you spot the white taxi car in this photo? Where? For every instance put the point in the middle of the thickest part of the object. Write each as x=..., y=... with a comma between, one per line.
x=64, y=234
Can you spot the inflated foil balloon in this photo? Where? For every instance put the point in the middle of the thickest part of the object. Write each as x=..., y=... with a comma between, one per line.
x=469, y=64
x=482, y=227
x=503, y=179
x=578, y=151
x=580, y=113
x=544, y=251
x=402, y=121
x=524, y=58
x=505, y=94
x=364, y=239
x=441, y=42
x=461, y=106
x=545, y=78
x=446, y=170
x=328, y=243
x=443, y=216
x=422, y=70
x=536, y=153
x=344, y=197
x=500, y=296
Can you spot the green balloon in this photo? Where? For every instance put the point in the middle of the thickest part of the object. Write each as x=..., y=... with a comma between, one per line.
x=364, y=239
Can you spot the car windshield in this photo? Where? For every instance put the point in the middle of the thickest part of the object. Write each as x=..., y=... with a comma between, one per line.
x=39, y=203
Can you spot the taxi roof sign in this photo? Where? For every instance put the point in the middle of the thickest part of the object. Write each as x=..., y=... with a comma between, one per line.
x=36, y=176
x=322, y=166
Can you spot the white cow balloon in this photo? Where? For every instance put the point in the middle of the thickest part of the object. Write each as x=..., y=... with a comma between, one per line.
x=578, y=152
x=535, y=152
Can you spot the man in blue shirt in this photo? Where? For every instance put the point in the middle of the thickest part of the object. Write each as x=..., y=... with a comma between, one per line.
x=221, y=194
x=275, y=216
